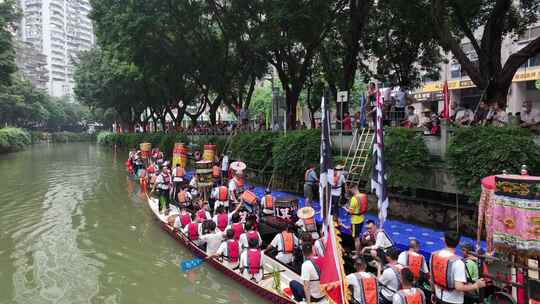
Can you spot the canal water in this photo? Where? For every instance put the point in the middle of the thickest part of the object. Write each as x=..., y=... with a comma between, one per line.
x=74, y=230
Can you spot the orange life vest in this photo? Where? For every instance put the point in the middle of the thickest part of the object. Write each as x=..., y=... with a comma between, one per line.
x=249, y=197
x=268, y=201
x=239, y=182
x=182, y=197
x=413, y=296
x=368, y=289
x=223, y=193
x=287, y=239
x=414, y=262
x=441, y=270
x=216, y=172
x=179, y=172
x=310, y=225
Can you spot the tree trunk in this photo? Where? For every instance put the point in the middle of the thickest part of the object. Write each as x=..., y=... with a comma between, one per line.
x=497, y=92
x=292, y=96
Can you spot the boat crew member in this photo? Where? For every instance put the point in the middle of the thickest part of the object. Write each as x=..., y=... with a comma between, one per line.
x=249, y=199
x=250, y=233
x=414, y=260
x=285, y=243
x=338, y=183
x=471, y=271
x=448, y=275
x=193, y=230
x=221, y=196
x=202, y=214
x=252, y=261
x=236, y=187
x=229, y=250
x=159, y=158
x=376, y=240
x=408, y=294
x=137, y=162
x=267, y=202
x=178, y=177
x=357, y=208
x=221, y=218
x=143, y=180
x=310, y=288
x=184, y=197
x=310, y=182
x=151, y=169
x=224, y=167
x=236, y=226
x=212, y=239
x=163, y=185
x=319, y=247
x=390, y=277
x=216, y=174
x=365, y=287
x=306, y=221
x=183, y=219
x=194, y=182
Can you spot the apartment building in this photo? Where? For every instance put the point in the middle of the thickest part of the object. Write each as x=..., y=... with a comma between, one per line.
x=59, y=29
x=462, y=89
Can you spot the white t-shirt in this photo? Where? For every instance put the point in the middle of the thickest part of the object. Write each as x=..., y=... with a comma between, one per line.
x=212, y=240
x=353, y=280
x=390, y=280
x=337, y=188
x=319, y=247
x=193, y=183
x=222, y=250
x=263, y=202
x=160, y=183
x=243, y=241
x=244, y=266
x=232, y=189
x=309, y=273
x=399, y=300
x=300, y=223
x=382, y=240
x=458, y=270
x=225, y=163
x=178, y=224
x=402, y=259
x=277, y=242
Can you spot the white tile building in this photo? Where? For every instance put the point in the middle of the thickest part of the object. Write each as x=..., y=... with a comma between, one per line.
x=59, y=29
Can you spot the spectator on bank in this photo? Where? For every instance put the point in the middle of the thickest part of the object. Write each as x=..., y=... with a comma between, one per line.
x=462, y=116
x=347, y=126
x=411, y=119
x=430, y=123
x=480, y=117
x=400, y=103
x=530, y=118
x=372, y=94
x=499, y=117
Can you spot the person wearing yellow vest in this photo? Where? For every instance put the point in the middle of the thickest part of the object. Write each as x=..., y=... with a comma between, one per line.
x=365, y=288
x=267, y=203
x=357, y=208
x=285, y=243
x=408, y=294
x=448, y=275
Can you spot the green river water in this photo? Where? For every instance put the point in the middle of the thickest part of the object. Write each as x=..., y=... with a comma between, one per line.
x=74, y=230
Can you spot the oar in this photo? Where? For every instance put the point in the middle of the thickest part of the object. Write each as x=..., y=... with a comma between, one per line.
x=187, y=265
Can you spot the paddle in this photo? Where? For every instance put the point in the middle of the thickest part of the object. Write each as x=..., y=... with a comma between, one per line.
x=187, y=265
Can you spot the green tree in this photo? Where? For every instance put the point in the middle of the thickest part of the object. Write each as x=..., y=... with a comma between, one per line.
x=8, y=16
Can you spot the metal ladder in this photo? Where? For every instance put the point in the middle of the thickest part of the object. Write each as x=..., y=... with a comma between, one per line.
x=358, y=162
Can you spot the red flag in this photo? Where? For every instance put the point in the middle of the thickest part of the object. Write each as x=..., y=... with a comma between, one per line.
x=446, y=99
x=333, y=280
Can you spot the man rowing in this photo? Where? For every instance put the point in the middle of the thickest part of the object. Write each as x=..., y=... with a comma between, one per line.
x=365, y=287
x=252, y=261
x=414, y=260
x=310, y=287
x=229, y=250
x=163, y=185
x=285, y=243
x=267, y=202
x=408, y=294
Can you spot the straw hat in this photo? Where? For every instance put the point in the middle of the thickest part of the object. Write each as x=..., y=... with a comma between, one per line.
x=305, y=213
x=238, y=166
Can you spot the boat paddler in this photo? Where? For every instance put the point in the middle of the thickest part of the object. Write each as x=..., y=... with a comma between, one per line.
x=365, y=287
x=250, y=234
x=306, y=221
x=252, y=261
x=236, y=186
x=250, y=200
x=408, y=294
x=229, y=250
x=163, y=185
x=267, y=202
x=285, y=243
x=448, y=275
x=178, y=177
x=220, y=194
x=414, y=260
x=310, y=287
x=357, y=208
x=310, y=182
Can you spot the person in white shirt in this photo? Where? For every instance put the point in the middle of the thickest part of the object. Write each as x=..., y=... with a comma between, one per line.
x=530, y=118
x=411, y=119
x=319, y=247
x=500, y=117
x=407, y=293
x=229, y=250
x=339, y=184
x=252, y=261
x=378, y=239
x=193, y=230
x=389, y=277
x=193, y=183
x=267, y=203
x=224, y=166
x=414, y=260
x=249, y=234
x=450, y=288
x=212, y=239
x=358, y=280
x=220, y=194
x=285, y=243
x=310, y=287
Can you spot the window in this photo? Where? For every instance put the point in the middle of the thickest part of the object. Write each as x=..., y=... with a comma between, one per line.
x=529, y=34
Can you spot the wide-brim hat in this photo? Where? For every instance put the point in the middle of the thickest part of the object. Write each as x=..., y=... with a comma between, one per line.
x=305, y=213
x=238, y=166
x=339, y=167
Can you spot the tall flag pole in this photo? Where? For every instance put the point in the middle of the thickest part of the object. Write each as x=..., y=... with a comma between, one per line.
x=333, y=280
x=378, y=179
x=362, y=110
x=446, y=100
x=325, y=164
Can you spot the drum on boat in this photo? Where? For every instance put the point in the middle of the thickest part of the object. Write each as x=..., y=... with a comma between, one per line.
x=204, y=173
x=145, y=149
x=209, y=152
x=180, y=155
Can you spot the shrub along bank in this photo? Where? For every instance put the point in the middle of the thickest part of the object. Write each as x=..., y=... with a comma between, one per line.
x=13, y=139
